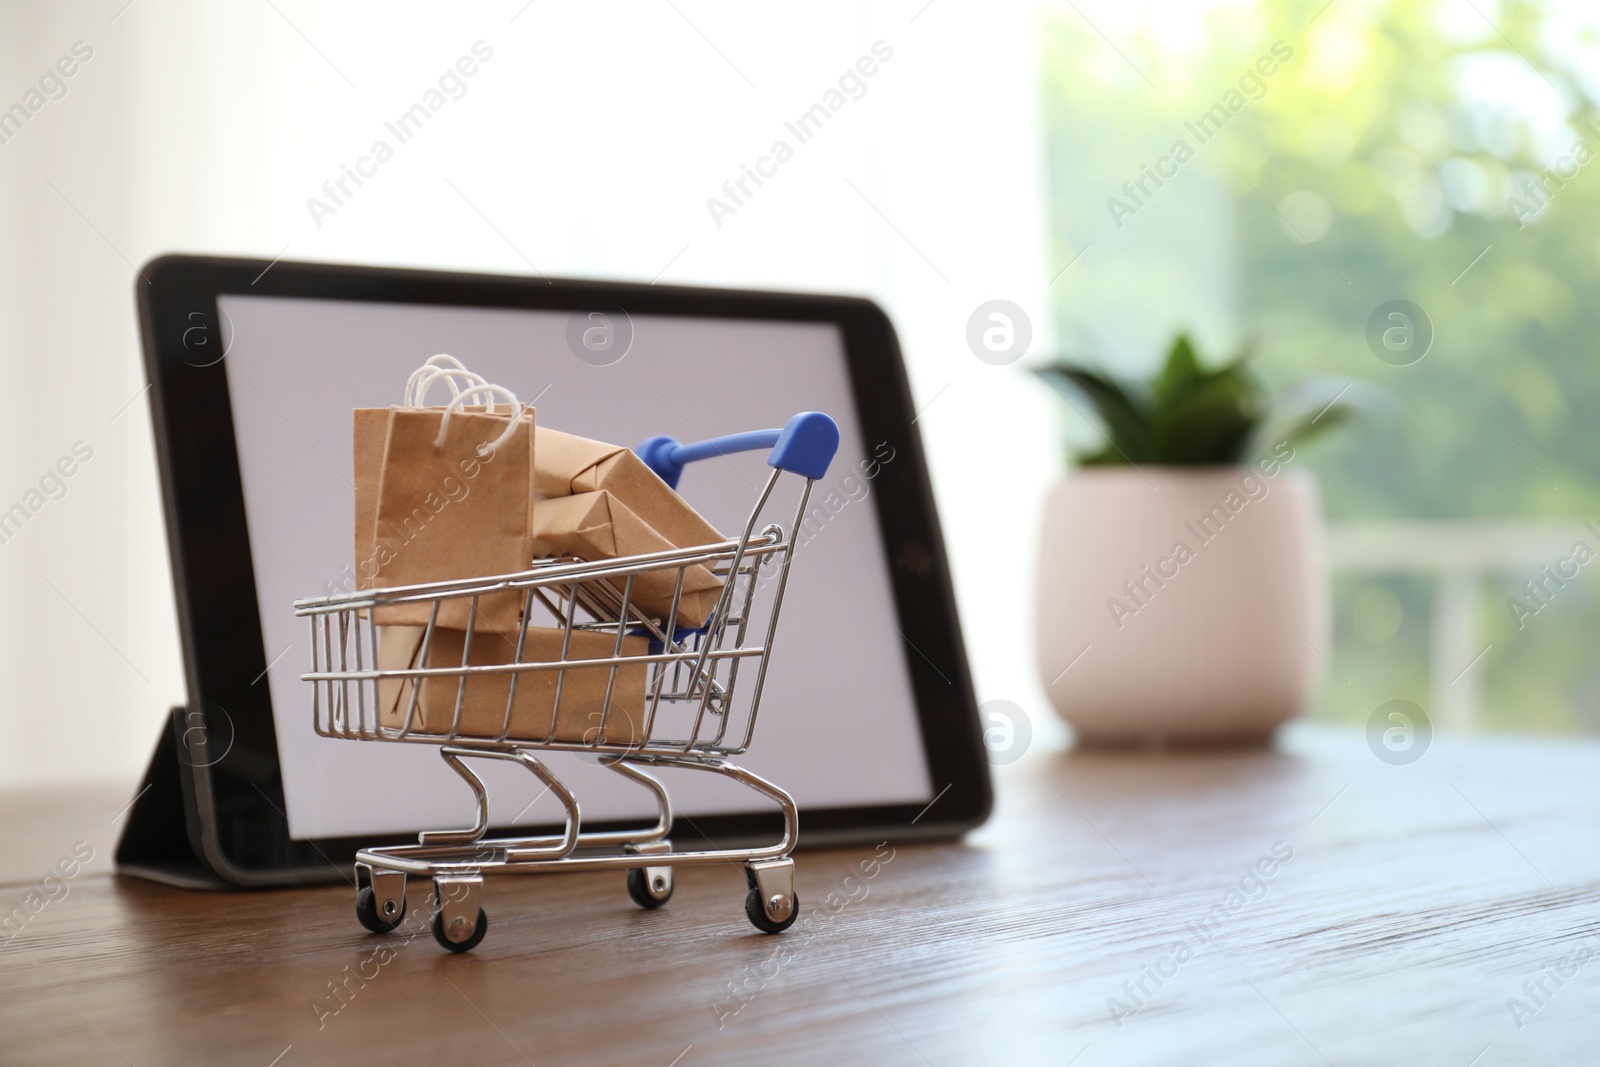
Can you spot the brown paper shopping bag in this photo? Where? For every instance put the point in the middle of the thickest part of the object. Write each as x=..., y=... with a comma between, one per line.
x=596, y=526
x=369, y=432
x=454, y=500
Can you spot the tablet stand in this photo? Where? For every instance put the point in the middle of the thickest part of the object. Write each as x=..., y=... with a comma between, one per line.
x=158, y=839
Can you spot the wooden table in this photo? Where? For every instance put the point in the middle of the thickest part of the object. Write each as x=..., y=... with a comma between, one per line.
x=1408, y=911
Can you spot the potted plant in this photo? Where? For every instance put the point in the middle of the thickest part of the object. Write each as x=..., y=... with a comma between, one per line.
x=1182, y=592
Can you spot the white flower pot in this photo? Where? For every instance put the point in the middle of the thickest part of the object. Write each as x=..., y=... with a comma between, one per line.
x=1182, y=605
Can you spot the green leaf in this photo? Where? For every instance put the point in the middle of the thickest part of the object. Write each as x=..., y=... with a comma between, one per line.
x=1210, y=424
x=1302, y=430
x=1106, y=457
x=1187, y=416
x=1181, y=371
x=1123, y=419
x=1310, y=408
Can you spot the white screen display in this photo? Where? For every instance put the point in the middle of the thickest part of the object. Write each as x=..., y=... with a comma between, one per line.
x=838, y=724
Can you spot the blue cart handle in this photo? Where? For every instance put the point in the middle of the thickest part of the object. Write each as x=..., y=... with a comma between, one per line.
x=805, y=446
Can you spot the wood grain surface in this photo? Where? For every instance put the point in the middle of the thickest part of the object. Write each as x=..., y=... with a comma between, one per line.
x=1308, y=904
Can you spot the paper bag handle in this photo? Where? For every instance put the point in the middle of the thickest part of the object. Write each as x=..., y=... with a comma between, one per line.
x=462, y=397
x=805, y=445
x=443, y=366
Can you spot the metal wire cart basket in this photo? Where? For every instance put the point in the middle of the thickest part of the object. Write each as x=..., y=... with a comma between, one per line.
x=596, y=675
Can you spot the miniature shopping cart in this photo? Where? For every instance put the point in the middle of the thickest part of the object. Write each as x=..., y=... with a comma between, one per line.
x=700, y=698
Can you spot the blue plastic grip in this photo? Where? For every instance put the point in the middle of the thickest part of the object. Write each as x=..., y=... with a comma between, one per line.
x=805, y=446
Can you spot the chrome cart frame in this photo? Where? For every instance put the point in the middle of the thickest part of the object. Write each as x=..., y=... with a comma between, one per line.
x=701, y=698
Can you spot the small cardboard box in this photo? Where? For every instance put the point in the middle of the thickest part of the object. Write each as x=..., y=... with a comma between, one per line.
x=566, y=465
x=483, y=707
x=594, y=526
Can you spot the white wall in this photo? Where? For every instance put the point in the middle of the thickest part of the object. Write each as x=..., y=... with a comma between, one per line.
x=591, y=141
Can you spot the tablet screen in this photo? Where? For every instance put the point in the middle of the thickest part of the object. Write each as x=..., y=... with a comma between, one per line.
x=838, y=725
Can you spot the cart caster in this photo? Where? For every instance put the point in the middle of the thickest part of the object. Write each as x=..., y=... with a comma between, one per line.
x=455, y=905
x=380, y=898
x=650, y=887
x=441, y=934
x=367, y=909
x=759, y=915
x=772, y=905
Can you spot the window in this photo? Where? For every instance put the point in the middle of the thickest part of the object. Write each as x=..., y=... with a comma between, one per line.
x=1288, y=171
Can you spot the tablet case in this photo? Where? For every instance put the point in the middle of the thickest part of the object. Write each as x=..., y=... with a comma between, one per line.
x=170, y=827
x=151, y=846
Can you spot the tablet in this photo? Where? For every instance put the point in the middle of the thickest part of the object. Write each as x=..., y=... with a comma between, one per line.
x=868, y=716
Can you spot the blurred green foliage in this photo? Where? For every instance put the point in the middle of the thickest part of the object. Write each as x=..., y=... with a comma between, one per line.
x=1190, y=416
x=1435, y=151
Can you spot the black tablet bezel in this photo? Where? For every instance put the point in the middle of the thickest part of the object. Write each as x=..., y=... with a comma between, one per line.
x=242, y=830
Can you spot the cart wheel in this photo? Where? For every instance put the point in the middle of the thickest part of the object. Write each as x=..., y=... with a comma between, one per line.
x=460, y=946
x=367, y=912
x=757, y=914
x=647, y=891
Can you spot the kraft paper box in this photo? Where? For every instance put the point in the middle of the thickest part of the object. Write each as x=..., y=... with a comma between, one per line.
x=483, y=708
x=595, y=526
x=568, y=465
x=428, y=513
